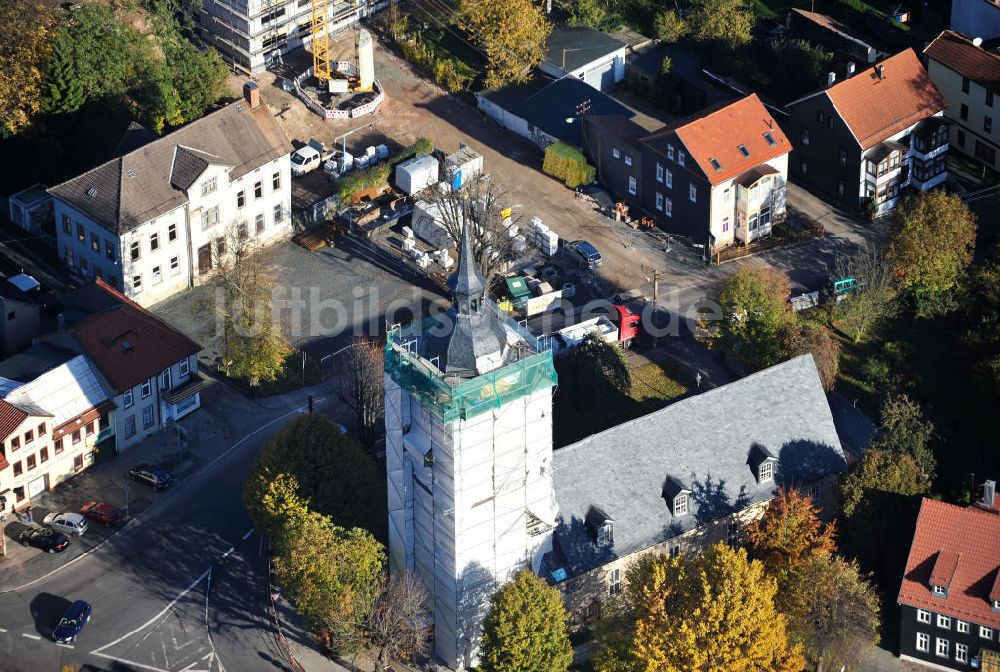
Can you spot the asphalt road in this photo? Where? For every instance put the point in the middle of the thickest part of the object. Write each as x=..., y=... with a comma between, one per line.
x=184, y=589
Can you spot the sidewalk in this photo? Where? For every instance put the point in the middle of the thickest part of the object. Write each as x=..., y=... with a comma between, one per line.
x=225, y=416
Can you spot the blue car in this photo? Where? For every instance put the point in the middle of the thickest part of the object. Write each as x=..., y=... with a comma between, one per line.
x=151, y=475
x=72, y=623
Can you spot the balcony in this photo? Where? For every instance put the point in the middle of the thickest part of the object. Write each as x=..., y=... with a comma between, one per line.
x=189, y=388
x=929, y=139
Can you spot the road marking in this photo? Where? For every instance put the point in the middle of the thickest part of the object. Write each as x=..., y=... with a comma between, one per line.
x=65, y=646
x=247, y=535
x=30, y=636
x=209, y=657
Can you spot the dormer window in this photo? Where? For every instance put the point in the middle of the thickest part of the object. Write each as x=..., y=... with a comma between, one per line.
x=605, y=534
x=939, y=591
x=996, y=605
x=681, y=505
x=945, y=566
x=766, y=471
x=601, y=527
x=762, y=463
x=676, y=496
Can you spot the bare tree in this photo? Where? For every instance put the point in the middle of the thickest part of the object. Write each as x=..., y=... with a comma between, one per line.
x=399, y=625
x=359, y=384
x=485, y=204
x=252, y=347
x=874, y=296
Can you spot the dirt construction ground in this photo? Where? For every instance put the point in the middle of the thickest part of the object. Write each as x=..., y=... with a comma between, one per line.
x=415, y=107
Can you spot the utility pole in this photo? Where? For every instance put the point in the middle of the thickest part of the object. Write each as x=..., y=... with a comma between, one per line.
x=656, y=296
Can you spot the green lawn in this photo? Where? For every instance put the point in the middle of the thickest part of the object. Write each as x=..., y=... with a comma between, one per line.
x=653, y=384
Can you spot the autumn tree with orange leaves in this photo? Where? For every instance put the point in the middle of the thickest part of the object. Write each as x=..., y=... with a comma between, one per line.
x=788, y=532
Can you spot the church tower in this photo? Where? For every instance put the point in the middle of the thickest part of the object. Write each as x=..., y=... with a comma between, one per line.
x=468, y=414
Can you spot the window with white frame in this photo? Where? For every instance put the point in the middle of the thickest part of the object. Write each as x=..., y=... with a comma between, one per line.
x=628, y=160
x=923, y=642
x=208, y=186
x=923, y=616
x=209, y=218
x=693, y=193
x=944, y=621
x=668, y=207
x=675, y=551
x=668, y=179
x=659, y=201
x=670, y=152
x=680, y=505
x=136, y=284
x=962, y=626
x=631, y=185
x=165, y=379
x=605, y=535
x=171, y=233
x=961, y=652
x=766, y=470
x=145, y=389
x=939, y=590
x=941, y=647
x=175, y=266
x=659, y=172
x=279, y=213
x=985, y=633
x=615, y=152
x=680, y=157
x=184, y=367
x=614, y=581
x=127, y=398
x=157, y=277
x=147, y=417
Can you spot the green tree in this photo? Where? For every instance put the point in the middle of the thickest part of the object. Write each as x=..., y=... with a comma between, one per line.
x=755, y=312
x=983, y=316
x=904, y=430
x=789, y=532
x=800, y=339
x=25, y=40
x=198, y=77
x=328, y=572
x=874, y=298
x=329, y=471
x=594, y=383
x=709, y=613
x=157, y=103
x=64, y=93
x=588, y=12
x=666, y=66
x=669, y=26
x=727, y=23
x=513, y=34
x=525, y=629
x=832, y=610
x=933, y=237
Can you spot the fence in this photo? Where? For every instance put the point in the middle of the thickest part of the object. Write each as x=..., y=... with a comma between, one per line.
x=794, y=230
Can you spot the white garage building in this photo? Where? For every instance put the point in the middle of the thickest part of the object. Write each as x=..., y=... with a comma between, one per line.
x=587, y=54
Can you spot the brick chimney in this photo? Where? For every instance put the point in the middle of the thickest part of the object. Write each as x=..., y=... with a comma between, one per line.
x=251, y=93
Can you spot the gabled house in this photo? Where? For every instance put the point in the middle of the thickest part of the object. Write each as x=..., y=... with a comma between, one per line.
x=862, y=140
x=718, y=177
x=949, y=597
x=687, y=476
x=155, y=220
x=969, y=77
x=585, y=53
x=830, y=33
x=50, y=427
x=150, y=368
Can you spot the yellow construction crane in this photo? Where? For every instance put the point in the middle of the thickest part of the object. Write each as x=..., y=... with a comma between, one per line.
x=321, y=41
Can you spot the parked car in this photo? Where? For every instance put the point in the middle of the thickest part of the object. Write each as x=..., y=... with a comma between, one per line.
x=309, y=157
x=102, y=512
x=72, y=623
x=151, y=475
x=67, y=523
x=44, y=538
x=587, y=253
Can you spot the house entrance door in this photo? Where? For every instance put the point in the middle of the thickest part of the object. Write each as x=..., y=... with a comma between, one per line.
x=204, y=259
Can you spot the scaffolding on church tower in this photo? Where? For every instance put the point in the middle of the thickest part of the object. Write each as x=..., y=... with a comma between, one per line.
x=321, y=41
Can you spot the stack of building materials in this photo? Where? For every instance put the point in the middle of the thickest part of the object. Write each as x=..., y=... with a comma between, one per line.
x=418, y=173
x=427, y=225
x=463, y=165
x=443, y=257
x=409, y=244
x=542, y=237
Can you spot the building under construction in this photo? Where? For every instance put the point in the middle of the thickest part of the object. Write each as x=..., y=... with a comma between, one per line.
x=253, y=34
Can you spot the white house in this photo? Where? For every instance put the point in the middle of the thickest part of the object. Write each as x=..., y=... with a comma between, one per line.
x=154, y=220
x=587, y=54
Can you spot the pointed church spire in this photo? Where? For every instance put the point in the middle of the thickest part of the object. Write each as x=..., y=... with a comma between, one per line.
x=469, y=282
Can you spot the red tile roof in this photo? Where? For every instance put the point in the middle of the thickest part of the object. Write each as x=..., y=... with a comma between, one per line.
x=128, y=343
x=957, y=52
x=719, y=134
x=972, y=537
x=876, y=108
x=10, y=417
x=944, y=568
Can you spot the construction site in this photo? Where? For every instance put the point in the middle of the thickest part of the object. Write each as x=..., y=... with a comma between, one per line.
x=339, y=89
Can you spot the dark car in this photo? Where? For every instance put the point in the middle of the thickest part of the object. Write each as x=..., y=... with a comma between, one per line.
x=44, y=538
x=587, y=253
x=151, y=475
x=102, y=512
x=72, y=623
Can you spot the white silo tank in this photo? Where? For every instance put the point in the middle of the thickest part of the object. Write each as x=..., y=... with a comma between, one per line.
x=366, y=61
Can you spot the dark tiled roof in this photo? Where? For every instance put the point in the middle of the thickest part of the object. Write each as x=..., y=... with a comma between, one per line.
x=571, y=47
x=957, y=52
x=622, y=128
x=142, y=184
x=129, y=344
x=962, y=542
x=38, y=359
x=134, y=137
x=701, y=444
x=549, y=108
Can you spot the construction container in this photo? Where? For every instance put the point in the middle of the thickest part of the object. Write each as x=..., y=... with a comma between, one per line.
x=381, y=152
x=463, y=165
x=418, y=173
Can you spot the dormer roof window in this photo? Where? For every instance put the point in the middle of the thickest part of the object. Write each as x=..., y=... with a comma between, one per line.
x=676, y=496
x=995, y=592
x=762, y=463
x=601, y=526
x=944, y=571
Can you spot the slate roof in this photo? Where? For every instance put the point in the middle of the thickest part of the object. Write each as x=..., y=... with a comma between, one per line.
x=968, y=539
x=614, y=126
x=582, y=45
x=957, y=52
x=147, y=182
x=702, y=444
x=718, y=134
x=876, y=108
x=129, y=344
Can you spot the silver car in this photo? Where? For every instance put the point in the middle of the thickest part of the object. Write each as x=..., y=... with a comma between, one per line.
x=67, y=523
